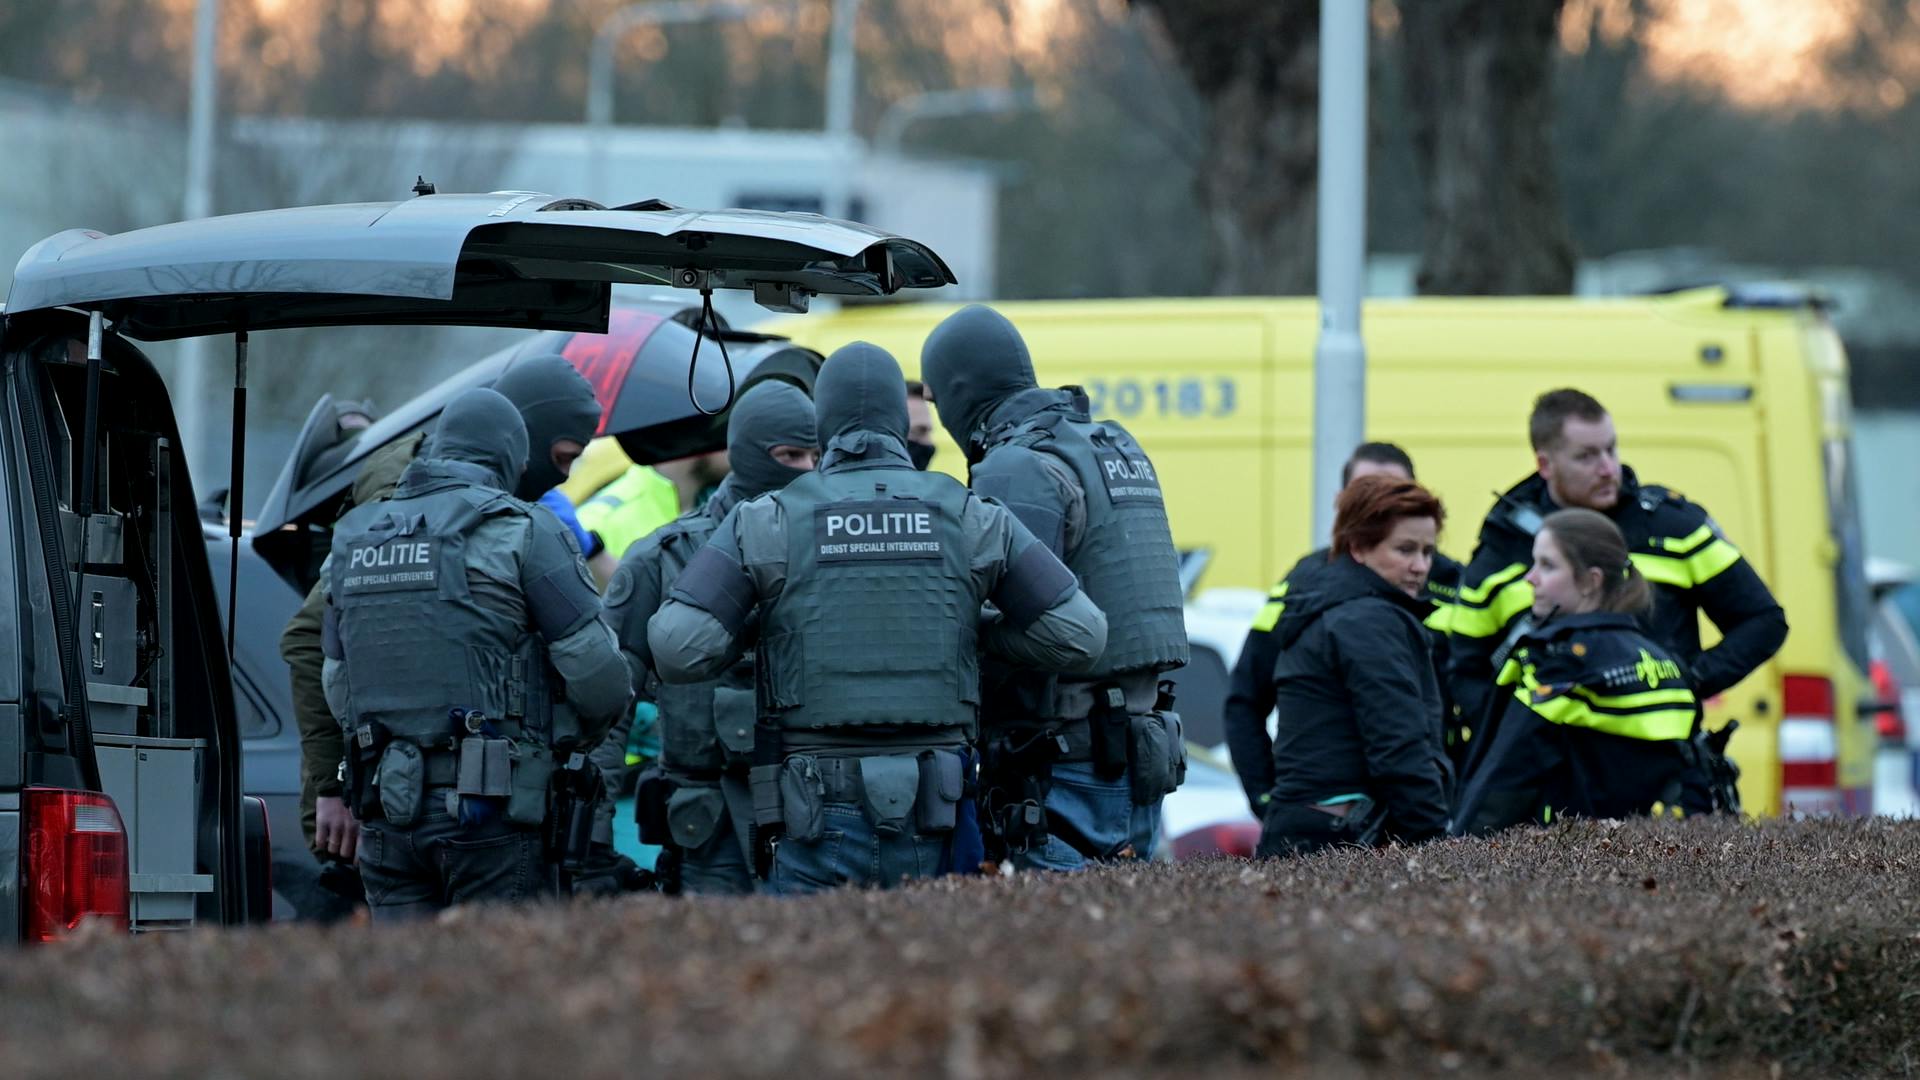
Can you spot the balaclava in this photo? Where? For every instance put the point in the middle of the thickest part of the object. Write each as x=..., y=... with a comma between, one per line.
x=771, y=413
x=861, y=391
x=481, y=427
x=556, y=402
x=973, y=361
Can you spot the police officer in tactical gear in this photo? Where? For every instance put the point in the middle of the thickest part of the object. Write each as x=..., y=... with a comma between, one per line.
x=698, y=804
x=869, y=579
x=1691, y=564
x=1250, y=697
x=1104, y=746
x=466, y=662
x=559, y=414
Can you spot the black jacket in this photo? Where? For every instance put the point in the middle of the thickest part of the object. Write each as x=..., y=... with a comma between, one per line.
x=1359, y=701
x=1692, y=566
x=1595, y=723
x=1250, y=693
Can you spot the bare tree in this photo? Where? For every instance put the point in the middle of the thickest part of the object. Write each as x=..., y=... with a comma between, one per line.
x=1479, y=85
x=1256, y=64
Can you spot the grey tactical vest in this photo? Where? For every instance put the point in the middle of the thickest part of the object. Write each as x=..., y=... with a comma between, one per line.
x=878, y=620
x=1126, y=561
x=703, y=726
x=417, y=640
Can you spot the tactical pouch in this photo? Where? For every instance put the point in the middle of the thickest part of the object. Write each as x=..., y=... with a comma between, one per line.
x=734, y=713
x=803, y=800
x=650, y=800
x=1109, y=732
x=402, y=782
x=484, y=768
x=1159, y=764
x=693, y=813
x=888, y=786
x=942, y=778
x=530, y=776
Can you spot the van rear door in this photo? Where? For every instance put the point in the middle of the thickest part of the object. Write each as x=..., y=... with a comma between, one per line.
x=12, y=717
x=502, y=259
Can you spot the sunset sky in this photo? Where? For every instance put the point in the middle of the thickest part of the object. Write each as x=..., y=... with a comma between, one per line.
x=1762, y=54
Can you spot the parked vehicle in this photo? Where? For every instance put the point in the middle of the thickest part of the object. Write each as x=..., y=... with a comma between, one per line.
x=1895, y=641
x=120, y=749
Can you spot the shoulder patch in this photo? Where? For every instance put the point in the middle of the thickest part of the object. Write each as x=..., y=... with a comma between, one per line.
x=620, y=586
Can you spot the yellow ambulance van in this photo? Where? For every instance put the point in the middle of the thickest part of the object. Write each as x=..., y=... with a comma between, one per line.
x=1735, y=397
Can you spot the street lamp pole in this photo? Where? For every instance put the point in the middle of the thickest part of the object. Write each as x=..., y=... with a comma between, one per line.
x=842, y=84
x=1340, y=355
x=202, y=110
x=600, y=62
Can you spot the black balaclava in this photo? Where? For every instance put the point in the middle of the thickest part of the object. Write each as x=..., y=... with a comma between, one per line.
x=771, y=413
x=557, y=402
x=973, y=361
x=861, y=394
x=481, y=427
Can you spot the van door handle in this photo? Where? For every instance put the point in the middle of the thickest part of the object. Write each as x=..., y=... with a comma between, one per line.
x=99, y=633
x=1710, y=393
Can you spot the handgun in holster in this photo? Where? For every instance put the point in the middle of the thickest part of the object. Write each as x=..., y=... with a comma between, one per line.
x=1722, y=771
x=666, y=871
x=1110, y=728
x=650, y=797
x=1016, y=767
x=1366, y=822
x=763, y=779
x=365, y=744
x=577, y=785
x=342, y=879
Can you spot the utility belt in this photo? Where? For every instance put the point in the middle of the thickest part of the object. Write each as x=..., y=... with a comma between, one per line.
x=1150, y=749
x=480, y=774
x=899, y=793
x=682, y=809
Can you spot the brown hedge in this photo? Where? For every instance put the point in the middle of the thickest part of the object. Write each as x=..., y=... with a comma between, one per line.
x=1705, y=947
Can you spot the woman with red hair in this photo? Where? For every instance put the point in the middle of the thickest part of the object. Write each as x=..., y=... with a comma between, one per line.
x=1359, y=756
